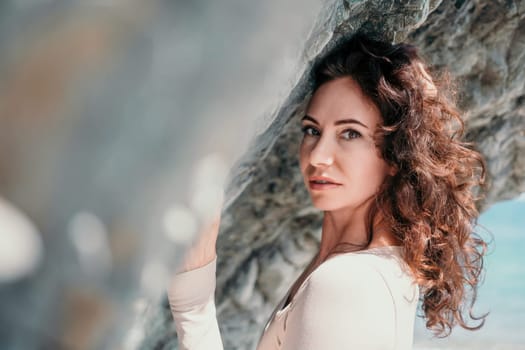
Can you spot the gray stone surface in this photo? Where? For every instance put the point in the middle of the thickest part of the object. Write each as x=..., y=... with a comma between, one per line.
x=483, y=44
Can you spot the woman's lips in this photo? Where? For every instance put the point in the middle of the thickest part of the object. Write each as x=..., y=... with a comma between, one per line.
x=319, y=186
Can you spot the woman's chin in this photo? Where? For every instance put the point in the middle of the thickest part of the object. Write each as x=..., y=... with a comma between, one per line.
x=332, y=204
x=325, y=205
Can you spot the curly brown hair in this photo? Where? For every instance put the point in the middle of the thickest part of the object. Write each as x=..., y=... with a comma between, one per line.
x=430, y=203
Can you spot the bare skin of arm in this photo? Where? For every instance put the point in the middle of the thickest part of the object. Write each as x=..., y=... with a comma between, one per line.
x=203, y=249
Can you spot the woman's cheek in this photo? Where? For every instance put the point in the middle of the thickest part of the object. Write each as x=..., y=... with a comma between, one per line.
x=357, y=145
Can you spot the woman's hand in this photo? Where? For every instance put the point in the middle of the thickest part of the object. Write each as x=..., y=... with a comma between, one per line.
x=206, y=201
x=203, y=250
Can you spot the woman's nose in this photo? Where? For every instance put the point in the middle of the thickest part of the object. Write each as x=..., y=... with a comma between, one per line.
x=322, y=153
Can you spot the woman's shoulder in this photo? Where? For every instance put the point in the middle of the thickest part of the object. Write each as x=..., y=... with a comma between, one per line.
x=347, y=279
x=382, y=266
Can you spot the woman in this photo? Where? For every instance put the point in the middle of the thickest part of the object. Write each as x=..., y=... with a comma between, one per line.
x=381, y=156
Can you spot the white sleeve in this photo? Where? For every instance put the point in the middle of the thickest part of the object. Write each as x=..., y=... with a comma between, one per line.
x=343, y=306
x=191, y=295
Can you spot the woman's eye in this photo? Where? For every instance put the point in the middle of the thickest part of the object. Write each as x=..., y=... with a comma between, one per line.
x=308, y=130
x=352, y=134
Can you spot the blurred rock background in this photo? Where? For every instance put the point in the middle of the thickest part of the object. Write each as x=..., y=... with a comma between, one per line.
x=120, y=121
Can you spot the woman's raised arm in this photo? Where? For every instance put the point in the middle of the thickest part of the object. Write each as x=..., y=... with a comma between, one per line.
x=191, y=294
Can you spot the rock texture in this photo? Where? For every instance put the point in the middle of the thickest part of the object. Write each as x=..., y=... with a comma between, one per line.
x=483, y=45
x=270, y=230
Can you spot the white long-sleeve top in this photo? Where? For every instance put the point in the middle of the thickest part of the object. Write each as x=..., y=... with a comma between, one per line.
x=360, y=300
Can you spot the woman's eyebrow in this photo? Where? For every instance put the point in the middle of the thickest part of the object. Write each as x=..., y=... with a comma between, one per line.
x=337, y=122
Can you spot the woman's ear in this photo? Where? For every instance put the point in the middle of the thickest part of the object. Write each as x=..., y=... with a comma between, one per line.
x=392, y=170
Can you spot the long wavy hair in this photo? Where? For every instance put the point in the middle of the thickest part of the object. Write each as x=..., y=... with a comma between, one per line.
x=430, y=203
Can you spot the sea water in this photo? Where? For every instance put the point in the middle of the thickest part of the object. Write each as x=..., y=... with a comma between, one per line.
x=502, y=292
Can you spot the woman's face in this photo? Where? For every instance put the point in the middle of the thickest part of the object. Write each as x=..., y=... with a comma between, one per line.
x=338, y=144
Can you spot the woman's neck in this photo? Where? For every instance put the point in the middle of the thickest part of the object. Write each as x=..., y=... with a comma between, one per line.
x=349, y=226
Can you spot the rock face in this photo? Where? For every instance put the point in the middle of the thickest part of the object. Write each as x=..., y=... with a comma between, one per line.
x=270, y=230
x=483, y=45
